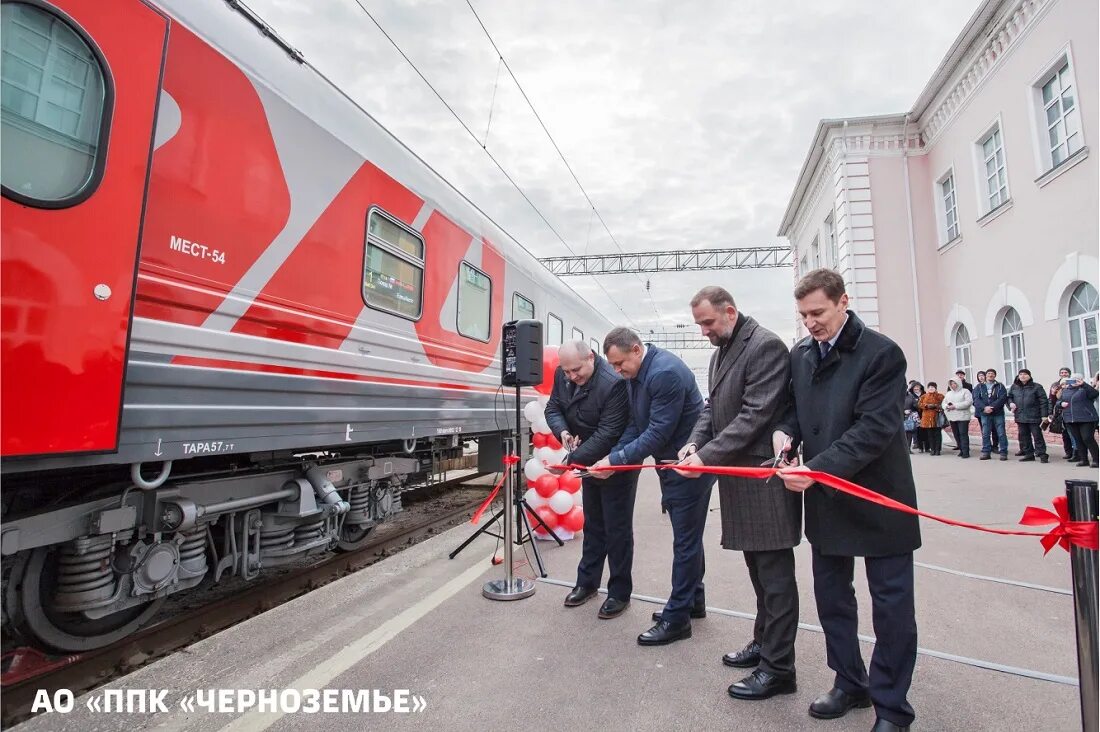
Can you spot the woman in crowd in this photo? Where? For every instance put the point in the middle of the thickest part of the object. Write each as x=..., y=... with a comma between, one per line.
x=1080, y=415
x=1027, y=400
x=912, y=415
x=958, y=402
x=1068, y=447
x=930, y=410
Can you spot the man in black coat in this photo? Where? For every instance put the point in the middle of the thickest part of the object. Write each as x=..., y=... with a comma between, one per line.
x=588, y=411
x=847, y=389
x=749, y=374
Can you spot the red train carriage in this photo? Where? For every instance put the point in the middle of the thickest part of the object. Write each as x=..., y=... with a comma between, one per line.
x=237, y=313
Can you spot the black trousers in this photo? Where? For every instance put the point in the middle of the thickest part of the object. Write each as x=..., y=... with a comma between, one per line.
x=687, y=501
x=772, y=575
x=894, y=619
x=932, y=438
x=608, y=533
x=1031, y=438
x=962, y=437
x=1085, y=439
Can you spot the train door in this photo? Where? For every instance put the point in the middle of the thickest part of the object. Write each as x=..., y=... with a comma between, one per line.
x=80, y=81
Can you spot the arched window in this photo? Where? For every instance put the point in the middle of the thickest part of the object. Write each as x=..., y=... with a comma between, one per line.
x=1083, y=315
x=962, y=351
x=1013, y=354
x=53, y=108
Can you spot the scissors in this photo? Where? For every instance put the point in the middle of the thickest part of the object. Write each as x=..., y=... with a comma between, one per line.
x=773, y=464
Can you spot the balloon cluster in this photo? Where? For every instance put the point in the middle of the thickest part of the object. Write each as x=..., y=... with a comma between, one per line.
x=555, y=498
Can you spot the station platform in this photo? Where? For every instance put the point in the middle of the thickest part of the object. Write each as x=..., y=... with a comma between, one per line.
x=418, y=621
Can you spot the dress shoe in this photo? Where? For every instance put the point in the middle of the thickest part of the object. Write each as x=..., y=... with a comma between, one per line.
x=985, y=456
x=1044, y=459
x=613, y=608
x=747, y=657
x=883, y=725
x=1027, y=459
x=580, y=595
x=664, y=633
x=698, y=610
x=1083, y=464
x=1004, y=457
x=836, y=703
x=1021, y=452
x=762, y=685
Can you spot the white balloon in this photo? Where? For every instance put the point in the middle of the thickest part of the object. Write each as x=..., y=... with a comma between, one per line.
x=543, y=454
x=559, y=456
x=578, y=499
x=543, y=399
x=533, y=468
x=532, y=411
x=561, y=502
x=539, y=425
x=534, y=500
x=564, y=534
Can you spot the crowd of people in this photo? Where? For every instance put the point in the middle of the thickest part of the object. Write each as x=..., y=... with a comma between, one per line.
x=1067, y=410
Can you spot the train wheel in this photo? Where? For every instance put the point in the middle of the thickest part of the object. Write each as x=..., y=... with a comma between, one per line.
x=353, y=536
x=28, y=593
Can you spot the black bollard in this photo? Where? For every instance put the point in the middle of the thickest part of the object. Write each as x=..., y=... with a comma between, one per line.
x=1082, y=495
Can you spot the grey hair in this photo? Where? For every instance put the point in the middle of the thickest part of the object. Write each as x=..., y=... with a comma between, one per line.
x=622, y=338
x=581, y=347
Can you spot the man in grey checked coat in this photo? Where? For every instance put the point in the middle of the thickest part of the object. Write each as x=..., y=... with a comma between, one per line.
x=749, y=375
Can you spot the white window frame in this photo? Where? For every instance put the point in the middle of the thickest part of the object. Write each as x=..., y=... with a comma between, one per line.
x=519, y=296
x=981, y=179
x=577, y=334
x=551, y=318
x=943, y=212
x=1017, y=348
x=1044, y=157
x=830, y=236
x=458, y=304
x=963, y=353
x=815, y=251
x=1077, y=322
x=595, y=345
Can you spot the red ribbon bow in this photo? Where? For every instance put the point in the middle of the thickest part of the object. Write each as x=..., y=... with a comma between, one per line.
x=1081, y=533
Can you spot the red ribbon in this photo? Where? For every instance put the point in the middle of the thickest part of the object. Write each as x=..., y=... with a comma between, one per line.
x=509, y=461
x=1066, y=532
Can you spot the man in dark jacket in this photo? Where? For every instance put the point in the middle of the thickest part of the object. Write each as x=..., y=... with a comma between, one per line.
x=588, y=411
x=989, y=401
x=664, y=406
x=749, y=374
x=847, y=387
x=1027, y=400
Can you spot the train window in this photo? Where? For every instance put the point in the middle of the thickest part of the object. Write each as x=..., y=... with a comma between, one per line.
x=522, y=308
x=578, y=334
x=553, y=330
x=475, y=297
x=54, y=109
x=393, y=268
x=595, y=345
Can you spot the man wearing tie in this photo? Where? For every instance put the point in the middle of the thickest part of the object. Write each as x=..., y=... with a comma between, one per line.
x=588, y=411
x=665, y=404
x=847, y=389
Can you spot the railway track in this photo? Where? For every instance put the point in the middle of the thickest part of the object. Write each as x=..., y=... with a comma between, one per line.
x=82, y=672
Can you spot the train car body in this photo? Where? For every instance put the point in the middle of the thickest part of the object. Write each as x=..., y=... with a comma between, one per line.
x=216, y=265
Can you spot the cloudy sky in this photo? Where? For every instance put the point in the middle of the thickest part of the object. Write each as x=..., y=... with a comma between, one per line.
x=685, y=122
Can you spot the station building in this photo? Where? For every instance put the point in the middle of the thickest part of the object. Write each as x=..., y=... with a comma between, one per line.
x=966, y=229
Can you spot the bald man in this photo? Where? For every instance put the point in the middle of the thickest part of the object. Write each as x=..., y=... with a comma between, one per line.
x=588, y=411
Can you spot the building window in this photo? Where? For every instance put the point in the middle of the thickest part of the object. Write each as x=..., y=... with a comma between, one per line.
x=949, y=208
x=475, y=299
x=804, y=265
x=578, y=335
x=1013, y=354
x=393, y=270
x=1060, y=115
x=553, y=330
x=996, y=179
x=1084, y=348
x=54, y=106
x=962, y=351
x=522, y=308
x=815, y=253
x=834, y=251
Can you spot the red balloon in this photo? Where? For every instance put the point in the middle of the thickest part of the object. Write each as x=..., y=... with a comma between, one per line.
x=546, y=485
x=574, y=520
x=553, y=442
x=549, y=366
x=548, y=516
x=569, y=481
x=539, y=439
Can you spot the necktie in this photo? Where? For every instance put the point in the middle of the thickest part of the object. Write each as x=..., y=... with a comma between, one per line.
x=825, y=348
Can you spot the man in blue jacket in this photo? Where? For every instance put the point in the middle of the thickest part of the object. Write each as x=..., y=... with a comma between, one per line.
x=989, y=401
x=665, y=404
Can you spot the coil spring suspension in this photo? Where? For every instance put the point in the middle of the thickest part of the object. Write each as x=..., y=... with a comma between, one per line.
x=84, y=572
x=305, y=533
x=280, y=537
x=193, y=550
x=359, y=498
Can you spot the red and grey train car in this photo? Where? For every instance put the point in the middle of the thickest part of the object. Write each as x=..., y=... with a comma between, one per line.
x=236, y=311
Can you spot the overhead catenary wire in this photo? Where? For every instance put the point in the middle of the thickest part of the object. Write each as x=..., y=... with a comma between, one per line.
x=485, y=149
x=557, y=149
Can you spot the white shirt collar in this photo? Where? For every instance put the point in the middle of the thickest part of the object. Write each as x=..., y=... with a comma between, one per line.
x=833, y=340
